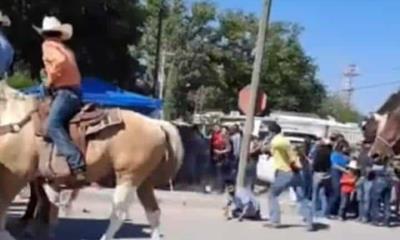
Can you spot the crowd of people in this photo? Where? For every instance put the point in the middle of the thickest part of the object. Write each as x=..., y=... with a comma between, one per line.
x=331, y=180
x=347, y=185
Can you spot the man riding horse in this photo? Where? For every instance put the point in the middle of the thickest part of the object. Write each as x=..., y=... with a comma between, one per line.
x=64, y=85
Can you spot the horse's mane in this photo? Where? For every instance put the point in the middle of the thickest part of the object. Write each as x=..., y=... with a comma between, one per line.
x=391, y=103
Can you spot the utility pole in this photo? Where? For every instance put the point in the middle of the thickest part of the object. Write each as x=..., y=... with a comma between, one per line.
x=348, y=77
x=255, y=80
x=161, y=75
x=158, y=48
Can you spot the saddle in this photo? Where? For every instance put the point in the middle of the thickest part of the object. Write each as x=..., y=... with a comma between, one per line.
x=84, y=125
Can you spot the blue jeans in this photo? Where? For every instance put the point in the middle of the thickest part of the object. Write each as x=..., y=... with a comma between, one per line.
x=308, y=182
x=345, y=202
x=334, y=198
x=380, y=194
x=364, y=200
x=251, y=174
x=283, y=181
x=65, y=105
x=321, y=186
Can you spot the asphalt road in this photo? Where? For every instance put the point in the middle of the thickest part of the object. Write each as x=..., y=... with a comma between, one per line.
x=188, y=216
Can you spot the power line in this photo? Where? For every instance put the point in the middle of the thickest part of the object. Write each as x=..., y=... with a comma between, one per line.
x=378, y=85
x=374, y=85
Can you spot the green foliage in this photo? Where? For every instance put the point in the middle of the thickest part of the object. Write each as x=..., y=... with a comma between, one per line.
x=186, y=43
x=289, y=75
x=210, y=58
x=333, y=106
x=20, y=80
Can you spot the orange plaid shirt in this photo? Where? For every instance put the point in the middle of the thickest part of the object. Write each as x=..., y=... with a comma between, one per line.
x=60, y=65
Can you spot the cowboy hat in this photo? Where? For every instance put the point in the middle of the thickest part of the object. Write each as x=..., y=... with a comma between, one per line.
x=52, y=24
x=4, y=20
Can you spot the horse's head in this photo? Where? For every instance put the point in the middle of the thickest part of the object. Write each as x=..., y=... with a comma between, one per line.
x=369, y=127
x=386, y=144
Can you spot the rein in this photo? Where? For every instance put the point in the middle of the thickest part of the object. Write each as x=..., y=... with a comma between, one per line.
x=389, y=145
x=16, y=127
x=386, y=143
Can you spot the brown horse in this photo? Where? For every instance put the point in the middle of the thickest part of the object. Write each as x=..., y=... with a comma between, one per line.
x=380, y=130
x=144, y=153
x=370, y=125
x=387, y=141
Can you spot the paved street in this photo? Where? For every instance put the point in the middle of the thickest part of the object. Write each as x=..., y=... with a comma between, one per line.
x=189, y=216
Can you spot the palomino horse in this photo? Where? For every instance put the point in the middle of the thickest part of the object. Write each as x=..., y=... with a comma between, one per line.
x=145, y=152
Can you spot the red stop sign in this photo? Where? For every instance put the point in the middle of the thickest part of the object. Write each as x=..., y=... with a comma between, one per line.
x=244, y=100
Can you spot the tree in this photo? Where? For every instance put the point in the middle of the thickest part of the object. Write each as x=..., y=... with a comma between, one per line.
x=334, y=106
x=234, y=42
x=210, y=55
x=288, y=74
x=103, y=31
x=186, y=42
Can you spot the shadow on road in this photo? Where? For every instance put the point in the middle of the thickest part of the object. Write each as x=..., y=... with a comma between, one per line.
x=321, y=226
x=93, y=229
x=84, y=229
x=317, y=226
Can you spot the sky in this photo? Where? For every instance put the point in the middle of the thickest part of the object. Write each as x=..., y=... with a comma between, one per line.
x=342, y=32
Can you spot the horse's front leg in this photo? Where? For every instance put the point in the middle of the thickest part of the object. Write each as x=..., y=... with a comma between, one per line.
x=49, y=199
x=10, y=186
x=32, y=204
x=149, y=202
x=35, y=209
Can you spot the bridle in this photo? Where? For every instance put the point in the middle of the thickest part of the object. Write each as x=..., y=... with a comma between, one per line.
x=387, y=144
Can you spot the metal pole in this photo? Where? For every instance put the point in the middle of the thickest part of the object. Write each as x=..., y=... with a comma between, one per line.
x=255, y=80
x=158, y=48
x=161, y=75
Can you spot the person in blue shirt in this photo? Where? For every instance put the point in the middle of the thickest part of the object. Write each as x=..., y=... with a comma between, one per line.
x=339, y=161
x=242, y=204
x=6, y=50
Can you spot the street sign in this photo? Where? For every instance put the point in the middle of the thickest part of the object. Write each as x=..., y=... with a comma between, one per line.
x=244, y=101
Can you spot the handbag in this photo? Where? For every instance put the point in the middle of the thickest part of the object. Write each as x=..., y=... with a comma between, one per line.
x=265, y=169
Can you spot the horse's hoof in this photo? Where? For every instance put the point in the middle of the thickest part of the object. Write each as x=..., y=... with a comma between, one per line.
x=103, y=238
x=5, y=235
x=155, y=235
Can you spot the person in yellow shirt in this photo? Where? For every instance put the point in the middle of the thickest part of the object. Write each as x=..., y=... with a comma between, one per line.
x=287, y=175
x=285, y=158
x=64, y=84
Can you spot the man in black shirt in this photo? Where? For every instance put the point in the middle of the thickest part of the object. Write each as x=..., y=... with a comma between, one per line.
x=321, y=178
x=365, y=184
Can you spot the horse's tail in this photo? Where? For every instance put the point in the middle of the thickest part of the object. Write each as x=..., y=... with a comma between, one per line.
x=175, y=145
